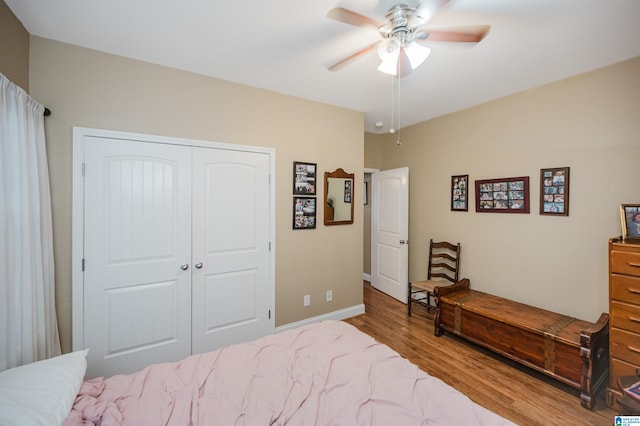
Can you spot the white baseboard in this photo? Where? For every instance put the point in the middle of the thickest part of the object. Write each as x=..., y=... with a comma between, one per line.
x=366, y=277
x=335, y=315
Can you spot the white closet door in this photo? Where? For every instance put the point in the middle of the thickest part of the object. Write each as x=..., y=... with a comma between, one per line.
x=137, y=240
x=231, y=290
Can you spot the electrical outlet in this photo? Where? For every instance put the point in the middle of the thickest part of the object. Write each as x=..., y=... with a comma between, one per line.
x=329, y=295
x=307, y=299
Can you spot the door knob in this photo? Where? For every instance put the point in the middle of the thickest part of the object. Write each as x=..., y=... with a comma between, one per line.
x=184, y=266
x=198, y=265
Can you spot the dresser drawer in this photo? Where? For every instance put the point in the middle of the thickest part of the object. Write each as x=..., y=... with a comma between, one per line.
x=619, y=369
x=625, y=316
x=625, y=289
x=625, y=345
x=625, y=263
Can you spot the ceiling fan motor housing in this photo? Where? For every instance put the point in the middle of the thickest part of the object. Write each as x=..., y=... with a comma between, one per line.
x=402, y=22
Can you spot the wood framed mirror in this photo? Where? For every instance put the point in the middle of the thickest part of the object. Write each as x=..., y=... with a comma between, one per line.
x=338, y=197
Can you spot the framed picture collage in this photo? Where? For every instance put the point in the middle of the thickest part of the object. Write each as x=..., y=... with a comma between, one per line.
x=511, y=194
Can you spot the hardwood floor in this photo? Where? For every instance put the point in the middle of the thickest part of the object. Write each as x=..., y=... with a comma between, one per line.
x=521, y=395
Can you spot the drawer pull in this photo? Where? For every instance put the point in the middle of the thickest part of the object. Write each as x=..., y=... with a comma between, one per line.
x=634, y=319
x=634, y=290
x=635, y=265
x=632, y=349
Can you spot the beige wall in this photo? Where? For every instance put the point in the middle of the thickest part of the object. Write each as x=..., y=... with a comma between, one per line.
x=14, y=48
x=589, y=123
x=92, y=89
x=373, y=150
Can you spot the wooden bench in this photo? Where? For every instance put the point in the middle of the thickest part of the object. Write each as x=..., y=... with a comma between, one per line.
x=572, y=351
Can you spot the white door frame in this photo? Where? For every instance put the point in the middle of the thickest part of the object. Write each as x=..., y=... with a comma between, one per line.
x=77, y=210
x=365, y=276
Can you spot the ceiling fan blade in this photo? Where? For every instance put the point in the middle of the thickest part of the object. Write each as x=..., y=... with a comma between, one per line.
x=469, y=34
x=338, y=65
x=352, y=18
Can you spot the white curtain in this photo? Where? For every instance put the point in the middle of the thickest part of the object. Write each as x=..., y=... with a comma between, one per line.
x=29, y=330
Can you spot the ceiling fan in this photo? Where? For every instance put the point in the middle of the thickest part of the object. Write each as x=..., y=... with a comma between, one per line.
x=402, y=31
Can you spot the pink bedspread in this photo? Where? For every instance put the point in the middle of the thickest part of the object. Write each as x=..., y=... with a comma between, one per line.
x=324, y=373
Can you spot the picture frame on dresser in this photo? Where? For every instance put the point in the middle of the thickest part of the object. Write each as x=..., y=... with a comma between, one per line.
x=630, y=221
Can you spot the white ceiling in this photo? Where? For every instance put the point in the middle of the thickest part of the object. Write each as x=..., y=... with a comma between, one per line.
x=286, y=45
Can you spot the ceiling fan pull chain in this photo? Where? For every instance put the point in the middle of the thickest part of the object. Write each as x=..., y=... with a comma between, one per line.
x=398, y=111
x=393, y=104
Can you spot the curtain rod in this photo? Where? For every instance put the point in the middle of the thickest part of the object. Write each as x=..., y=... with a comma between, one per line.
x=47, y=112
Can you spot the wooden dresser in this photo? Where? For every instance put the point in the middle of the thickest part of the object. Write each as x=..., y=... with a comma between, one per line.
x=624, y=311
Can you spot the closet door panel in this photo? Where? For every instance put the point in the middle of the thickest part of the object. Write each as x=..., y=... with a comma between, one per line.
x=231, y=297
x=137, y=236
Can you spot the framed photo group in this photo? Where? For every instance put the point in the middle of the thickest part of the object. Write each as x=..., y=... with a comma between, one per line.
x=459, y=193
x=304, y=212
x=504, y=195
x=554, y=191
x=511, y=194
x=347, y=191
x=304, y=178
x=304, y=188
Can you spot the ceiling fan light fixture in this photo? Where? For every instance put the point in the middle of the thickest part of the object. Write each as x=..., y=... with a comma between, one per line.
x=395, y=57
x=389, y=66
x=417, y=54
x=388, y=51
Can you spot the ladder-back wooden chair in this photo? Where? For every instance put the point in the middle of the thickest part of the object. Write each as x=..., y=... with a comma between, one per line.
x=443, y=269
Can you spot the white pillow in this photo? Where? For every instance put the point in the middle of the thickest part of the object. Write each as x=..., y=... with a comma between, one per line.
x=41, y=393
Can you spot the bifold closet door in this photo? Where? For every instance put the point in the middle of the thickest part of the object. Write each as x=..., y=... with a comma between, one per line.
x=137, y=254
x=231, y=292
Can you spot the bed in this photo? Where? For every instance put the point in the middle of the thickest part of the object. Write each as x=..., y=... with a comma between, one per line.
x=323, y=373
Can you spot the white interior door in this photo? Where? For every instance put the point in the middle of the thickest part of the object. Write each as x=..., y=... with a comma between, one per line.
x=390, y=232
x=231, y=297
x=137, y=212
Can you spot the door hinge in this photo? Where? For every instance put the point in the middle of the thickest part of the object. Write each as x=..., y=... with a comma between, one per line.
x=83, y=264
x=84, y=167
x=269, y=245
x=269, y=313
